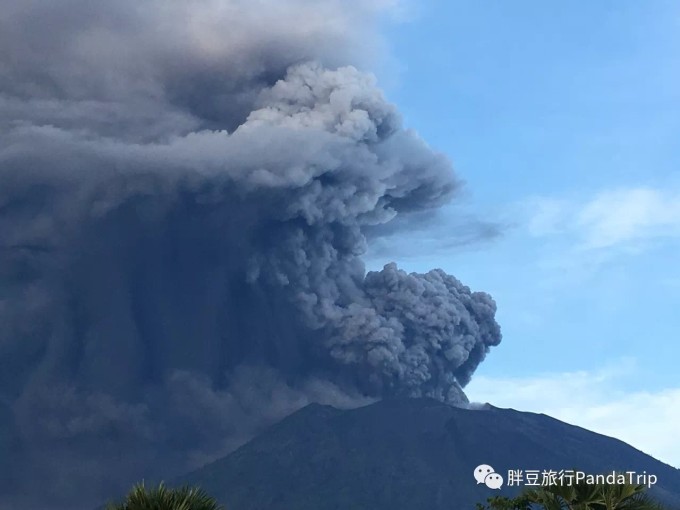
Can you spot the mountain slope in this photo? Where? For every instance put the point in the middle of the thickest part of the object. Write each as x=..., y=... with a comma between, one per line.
x=406, y=454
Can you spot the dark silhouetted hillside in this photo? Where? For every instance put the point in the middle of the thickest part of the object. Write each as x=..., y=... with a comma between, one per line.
x=408, y=454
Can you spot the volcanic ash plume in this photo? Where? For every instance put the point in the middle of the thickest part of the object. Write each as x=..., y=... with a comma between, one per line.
x=185, y=190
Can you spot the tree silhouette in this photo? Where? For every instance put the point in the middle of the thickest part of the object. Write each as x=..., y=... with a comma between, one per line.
x=164, y=498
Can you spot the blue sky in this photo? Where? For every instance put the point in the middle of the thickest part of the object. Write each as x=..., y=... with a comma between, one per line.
x=565, y=124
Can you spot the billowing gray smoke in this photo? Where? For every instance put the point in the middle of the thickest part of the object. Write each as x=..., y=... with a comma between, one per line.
x=185, y=191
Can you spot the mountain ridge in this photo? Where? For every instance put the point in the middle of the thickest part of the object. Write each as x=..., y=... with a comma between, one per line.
x=409, y=453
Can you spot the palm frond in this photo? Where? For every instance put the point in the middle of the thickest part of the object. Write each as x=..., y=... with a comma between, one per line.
x=164, y=498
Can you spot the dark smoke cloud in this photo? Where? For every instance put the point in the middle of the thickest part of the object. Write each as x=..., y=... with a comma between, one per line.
x=185, y=191
x=430, y=233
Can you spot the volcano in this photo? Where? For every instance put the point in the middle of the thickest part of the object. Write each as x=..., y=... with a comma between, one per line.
x=407, y=454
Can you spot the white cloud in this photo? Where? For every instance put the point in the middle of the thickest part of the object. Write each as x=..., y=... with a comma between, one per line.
x=647, y=420
x=625, y=215
x=619, y=217
x=575, y=238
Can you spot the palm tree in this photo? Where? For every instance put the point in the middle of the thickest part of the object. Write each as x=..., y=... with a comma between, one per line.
x=580, y=496
x=601, y=496
x=627, y=497
x=163, y=498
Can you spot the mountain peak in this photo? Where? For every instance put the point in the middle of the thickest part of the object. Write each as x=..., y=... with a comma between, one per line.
x=408, y=453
